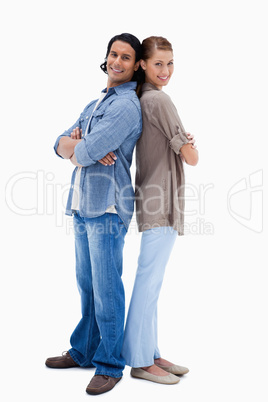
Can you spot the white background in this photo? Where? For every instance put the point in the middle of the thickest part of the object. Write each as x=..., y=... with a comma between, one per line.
x=213, y=304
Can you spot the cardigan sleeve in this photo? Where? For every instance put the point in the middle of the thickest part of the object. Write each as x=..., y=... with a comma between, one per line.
x=165, y=117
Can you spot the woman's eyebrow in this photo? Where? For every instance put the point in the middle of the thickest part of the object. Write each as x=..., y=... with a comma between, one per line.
x=162, y=60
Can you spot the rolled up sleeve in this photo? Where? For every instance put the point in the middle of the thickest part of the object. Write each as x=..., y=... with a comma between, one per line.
x=169, y=122
x=121, y=118
x=82, y=155
x=68, y=132
x=177, y=142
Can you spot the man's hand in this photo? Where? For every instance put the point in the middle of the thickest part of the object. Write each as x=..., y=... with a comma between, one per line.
x=109, y=159
x=67, y=144
x=74, y=160
x=76, y=134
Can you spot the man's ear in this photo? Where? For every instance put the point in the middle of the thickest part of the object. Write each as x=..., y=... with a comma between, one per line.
x=137, y=65
x=143, y=64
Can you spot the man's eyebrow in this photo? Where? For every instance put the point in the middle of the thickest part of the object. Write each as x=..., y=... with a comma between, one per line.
x=124, y=54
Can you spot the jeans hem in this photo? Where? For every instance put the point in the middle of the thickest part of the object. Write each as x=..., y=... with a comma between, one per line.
x=72, y=354
x=109, y=374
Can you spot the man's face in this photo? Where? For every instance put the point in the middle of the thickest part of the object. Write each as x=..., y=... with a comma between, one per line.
x=121, y=64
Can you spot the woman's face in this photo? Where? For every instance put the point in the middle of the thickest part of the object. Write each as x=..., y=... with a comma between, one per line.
x=159, y=68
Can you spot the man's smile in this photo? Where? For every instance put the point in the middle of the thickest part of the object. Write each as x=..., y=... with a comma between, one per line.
x=117, y=70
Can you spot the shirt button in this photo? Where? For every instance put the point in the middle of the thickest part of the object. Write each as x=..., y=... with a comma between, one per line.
x=87, y=117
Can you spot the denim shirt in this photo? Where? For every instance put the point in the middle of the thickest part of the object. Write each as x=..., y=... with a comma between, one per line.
x=116, y=125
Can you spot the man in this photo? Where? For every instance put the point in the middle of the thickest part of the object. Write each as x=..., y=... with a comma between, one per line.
x=101, y=201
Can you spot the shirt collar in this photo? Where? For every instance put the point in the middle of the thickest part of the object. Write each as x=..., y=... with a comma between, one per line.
x=149, y=87
x=120, y=89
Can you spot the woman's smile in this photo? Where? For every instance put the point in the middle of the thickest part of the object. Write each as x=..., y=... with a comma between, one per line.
x=163, y=78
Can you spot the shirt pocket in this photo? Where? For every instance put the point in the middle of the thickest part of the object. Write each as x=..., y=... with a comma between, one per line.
x=100, y=111
x=98, y=114
x=82, y=124
x=96, y=117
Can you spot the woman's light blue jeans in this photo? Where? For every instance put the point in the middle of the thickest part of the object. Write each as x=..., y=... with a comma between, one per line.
x=140, y=346
x=97, y=340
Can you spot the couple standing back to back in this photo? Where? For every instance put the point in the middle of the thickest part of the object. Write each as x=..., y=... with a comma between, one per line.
x=101, y=200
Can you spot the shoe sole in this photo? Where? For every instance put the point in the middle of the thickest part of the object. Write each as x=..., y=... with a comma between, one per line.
x=170, y=379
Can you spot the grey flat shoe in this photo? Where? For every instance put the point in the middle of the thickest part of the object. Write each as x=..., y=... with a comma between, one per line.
x=176, y=370
x=140, y=373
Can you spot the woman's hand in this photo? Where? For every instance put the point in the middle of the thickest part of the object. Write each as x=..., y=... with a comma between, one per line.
x=189, y=153
x=191, y=140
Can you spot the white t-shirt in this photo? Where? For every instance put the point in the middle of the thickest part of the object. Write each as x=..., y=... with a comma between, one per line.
x=76, y=190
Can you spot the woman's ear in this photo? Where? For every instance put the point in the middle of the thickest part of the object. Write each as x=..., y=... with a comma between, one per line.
x=143, y=65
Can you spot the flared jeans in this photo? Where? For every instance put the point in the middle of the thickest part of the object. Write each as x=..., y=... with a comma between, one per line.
x=140, y=346
x=97, y=340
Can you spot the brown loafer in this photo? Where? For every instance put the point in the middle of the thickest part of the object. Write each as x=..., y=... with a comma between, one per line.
x=101, y=383
x=61, y=362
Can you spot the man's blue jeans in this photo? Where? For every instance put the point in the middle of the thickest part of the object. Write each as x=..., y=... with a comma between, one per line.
x=98, y=338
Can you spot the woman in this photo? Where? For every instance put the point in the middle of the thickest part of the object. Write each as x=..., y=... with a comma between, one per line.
x=160, y=151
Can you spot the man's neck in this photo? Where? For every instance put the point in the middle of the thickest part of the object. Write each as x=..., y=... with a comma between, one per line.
x=111, y=85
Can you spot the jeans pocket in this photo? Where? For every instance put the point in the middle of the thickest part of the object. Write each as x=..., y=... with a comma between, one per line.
x=120, y=222
x=121, y=227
